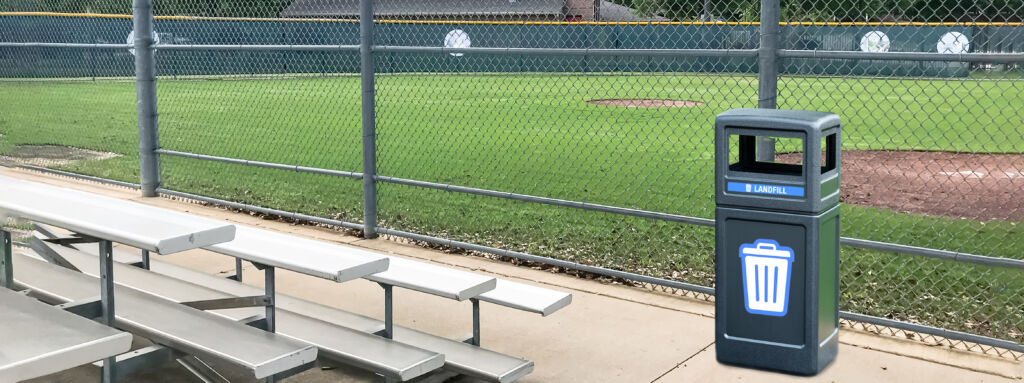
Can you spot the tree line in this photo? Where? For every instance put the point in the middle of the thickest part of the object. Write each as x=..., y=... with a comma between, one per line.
x=678, y=10
x=835, y=10
x=212, y=8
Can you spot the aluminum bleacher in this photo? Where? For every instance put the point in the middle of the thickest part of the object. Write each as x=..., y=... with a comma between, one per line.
x=182, y=284
x=102, y=220
x=200, y=315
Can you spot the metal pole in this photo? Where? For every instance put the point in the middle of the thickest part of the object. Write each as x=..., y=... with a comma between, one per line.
x=389, y=313
x=238, y=269
x=106, y=256
x=476, y=321
x=145, y=89
x=768, y=71
x=145, y=259
x=6, y=267
x=369, y=119
x=268, y=287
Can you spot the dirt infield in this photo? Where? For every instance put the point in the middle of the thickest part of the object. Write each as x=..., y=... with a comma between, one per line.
x=960, y=185
x=52, y=155
x=646, y=103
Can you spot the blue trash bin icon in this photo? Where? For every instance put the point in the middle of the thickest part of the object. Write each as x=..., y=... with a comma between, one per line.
x=766, y=274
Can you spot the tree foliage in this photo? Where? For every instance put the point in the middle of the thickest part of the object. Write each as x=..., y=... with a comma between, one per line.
x=235, y=8
x=726, y=10
x=835, y=10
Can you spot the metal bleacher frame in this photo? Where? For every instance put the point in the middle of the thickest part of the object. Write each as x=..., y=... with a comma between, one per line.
x=102, y=220
x=122, y=221
x=27, y=200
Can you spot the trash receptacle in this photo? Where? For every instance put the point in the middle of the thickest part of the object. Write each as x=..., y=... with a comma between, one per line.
x=777, y=239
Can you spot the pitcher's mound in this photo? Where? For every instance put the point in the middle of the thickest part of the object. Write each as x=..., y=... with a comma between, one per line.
x=52, y=155
x=960, y=185
x=646, y=103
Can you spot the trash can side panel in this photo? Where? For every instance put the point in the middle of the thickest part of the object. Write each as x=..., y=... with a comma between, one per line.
x=828, y=275
x=778, y=315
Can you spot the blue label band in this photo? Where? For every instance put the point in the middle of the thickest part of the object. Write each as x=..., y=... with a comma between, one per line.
x=743, y=187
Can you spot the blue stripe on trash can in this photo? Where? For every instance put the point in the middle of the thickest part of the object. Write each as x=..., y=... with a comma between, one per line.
x=745, y=187
x=766, y=292
x=775, y=285
x=757, y=286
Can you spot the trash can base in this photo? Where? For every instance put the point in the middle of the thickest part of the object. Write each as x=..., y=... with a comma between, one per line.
x=802, y=361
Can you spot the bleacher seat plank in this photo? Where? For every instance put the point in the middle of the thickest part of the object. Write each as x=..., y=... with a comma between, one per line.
x=37, y=339
x=171, y=324
x=432, y=279
x=142, y=226
x=459, y=357
x=527, y=297
x=388, y=358
x=302, y=255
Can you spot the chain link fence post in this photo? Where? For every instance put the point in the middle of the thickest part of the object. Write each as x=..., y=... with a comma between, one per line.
x=145, y=88
x=768, y=71
x=369, y=119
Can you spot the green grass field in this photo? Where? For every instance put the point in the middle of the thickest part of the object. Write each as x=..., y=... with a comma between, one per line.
x=535, y=134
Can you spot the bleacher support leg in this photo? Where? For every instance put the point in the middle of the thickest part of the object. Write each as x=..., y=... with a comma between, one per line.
x=476, y=322
x=238, y=270
x=6, y=268
x=106, y=256
x=268, y=273
x=389, y=311
x=145, y=259
x=271, y=316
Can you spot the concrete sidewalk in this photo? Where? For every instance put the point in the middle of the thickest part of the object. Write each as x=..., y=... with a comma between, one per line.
x=610, y=333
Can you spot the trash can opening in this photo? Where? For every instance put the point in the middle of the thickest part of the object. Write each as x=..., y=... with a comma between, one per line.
x=757, y=154
x=760, y=154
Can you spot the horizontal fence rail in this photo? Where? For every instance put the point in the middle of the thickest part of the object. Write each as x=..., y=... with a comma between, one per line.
x=66, y=45
x=261, y=209
x=551, y=201
x=270, y=165
x=249, y=47
x=948, y=334
x=571, y=51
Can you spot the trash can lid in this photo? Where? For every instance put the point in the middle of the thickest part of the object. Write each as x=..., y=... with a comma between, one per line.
x=802, y=120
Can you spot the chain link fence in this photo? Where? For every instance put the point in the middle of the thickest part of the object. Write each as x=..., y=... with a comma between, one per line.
x=572, y=134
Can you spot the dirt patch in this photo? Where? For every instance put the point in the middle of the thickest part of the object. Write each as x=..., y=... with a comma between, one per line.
x=959, y=185
x=52, y=155
x=646, y=103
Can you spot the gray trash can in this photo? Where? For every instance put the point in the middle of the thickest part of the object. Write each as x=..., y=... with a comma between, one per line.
x=777, y=240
